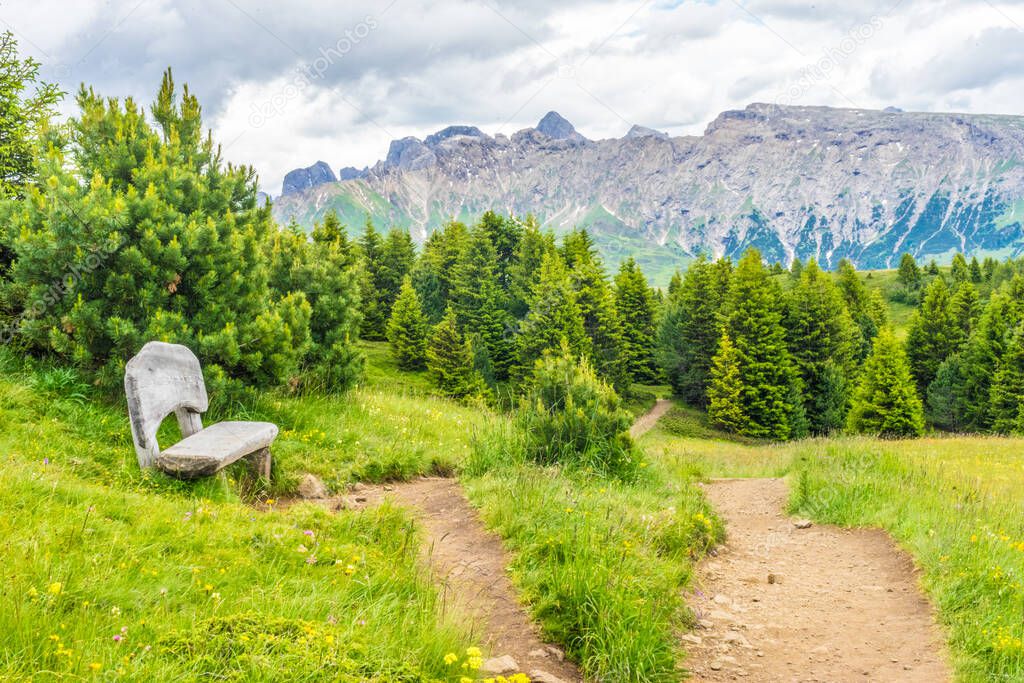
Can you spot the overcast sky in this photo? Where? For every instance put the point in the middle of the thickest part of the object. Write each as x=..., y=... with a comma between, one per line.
x=284, y=84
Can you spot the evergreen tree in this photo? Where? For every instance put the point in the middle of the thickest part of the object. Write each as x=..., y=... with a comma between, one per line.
x=934, y=334
x=601, y=321
x=554, y=316
x=976, y=275
x=988, y=268
x=960, y=271
x=450, y=360
x=434, y=272
x=524, y=272
x=769, y=380
x=476, y=298
x=966, y=308
x=796, y=269
x=945, y=399
x=824, y=342
x=162, y=241
x=867, y=312
x=505, y=234
x=636, y=311
x=1006, y=396
x=982, y=354
x=909, y=274
x=397, y=255
x=407, y=329
x=374, y=307
x=725, y=389
x=885, y=402
x=674, y=284
x=27, y=104
x=689, y=330
x=933, y=268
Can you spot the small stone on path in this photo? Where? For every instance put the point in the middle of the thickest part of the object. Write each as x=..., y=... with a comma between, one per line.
x=692, y=639
x=500, y=665
x=539, y=676
x=312, y=488
x=803, y=524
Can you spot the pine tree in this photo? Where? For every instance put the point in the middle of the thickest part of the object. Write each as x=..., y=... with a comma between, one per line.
x=165, y=240
x=689, y=330
x=524, y=272
x=824, y=342
x=909, y=274
x=450, y=361
x=374, y=307
x=434, y=272
x=945, y=405
x=933, y=268
x=24, y=116
x=725, y=389
x=636, y=311
x=966, y=307
x=476, y=298
x=976, y=275
x=770, y=383
x=601, y=321
x=885, y=402
x=397, y=256
x=674, y=284
x=796, y=269
x=505, y=234
x=960, y=271
x=554, y=316
x=988, y=268
x=982, y=354
x=867, y=312
x=1006, y=396
x=934, y=334
x=407, y=329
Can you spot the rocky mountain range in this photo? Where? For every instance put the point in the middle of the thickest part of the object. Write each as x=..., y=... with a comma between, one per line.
x=793, y=181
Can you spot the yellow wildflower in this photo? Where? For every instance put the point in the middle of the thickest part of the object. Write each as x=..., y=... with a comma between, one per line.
x=55, y=588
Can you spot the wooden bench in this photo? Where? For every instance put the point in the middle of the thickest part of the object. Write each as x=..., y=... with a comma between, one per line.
x=166, y=378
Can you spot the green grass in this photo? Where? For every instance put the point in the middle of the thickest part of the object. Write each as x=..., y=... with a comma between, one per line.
x=955, y=503
x=112, y=571
x=603, y=564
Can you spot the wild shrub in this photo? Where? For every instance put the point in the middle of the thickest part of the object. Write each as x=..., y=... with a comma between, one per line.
x=571, y=417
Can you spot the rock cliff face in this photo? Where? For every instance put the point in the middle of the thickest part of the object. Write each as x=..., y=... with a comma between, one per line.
x=792, y=181
x=304, y=178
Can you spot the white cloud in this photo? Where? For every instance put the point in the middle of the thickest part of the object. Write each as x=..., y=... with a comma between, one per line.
x=413, y=66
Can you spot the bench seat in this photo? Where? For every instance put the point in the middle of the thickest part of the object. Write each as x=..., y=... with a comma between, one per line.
x=212, y=449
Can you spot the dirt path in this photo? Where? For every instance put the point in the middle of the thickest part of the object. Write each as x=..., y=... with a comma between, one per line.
x=817, y=604
x=470, y=564
x=646, y=421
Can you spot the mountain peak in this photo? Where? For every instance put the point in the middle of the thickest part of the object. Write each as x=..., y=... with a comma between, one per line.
x=638, y=131
x=304, y=178
x=555, y=126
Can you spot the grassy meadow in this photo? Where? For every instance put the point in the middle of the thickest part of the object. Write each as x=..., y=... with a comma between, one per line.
x=113, y=573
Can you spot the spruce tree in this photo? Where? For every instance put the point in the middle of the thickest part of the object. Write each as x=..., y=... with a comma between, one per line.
x=524, y=272
x=450, y=360
x=601, y=321
x=960, y=271
x=796, y=269
x=824, y=342
x=1006, y=396
x=407, y=329
x=770, y=383
x=976, y=275
x=867, y=311
x=505, y=234
x=982, y=354
x=397, y=256
x=689, y=330
x=433, y=274
x=554, y=317
x=934, y=334
x=886, y=402
x=945, y=405
x=909, y=274
x=966, y=306
x=674, y=284
x=635, y=305
x=476, y=297
x=725, y=389
x=373, y=304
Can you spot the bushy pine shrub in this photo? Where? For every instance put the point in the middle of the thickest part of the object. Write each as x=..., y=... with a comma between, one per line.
x=139, y=231
x=571, y=417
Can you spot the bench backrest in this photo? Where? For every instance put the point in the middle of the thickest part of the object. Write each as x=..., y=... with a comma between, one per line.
x=160, y=380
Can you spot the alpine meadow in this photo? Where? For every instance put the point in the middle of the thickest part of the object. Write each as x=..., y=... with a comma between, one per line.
x=523, y=407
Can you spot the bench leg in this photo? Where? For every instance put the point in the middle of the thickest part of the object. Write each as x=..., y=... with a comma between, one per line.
x=261, y=463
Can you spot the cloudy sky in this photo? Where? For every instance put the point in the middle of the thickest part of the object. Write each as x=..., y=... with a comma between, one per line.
x=286, y=83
